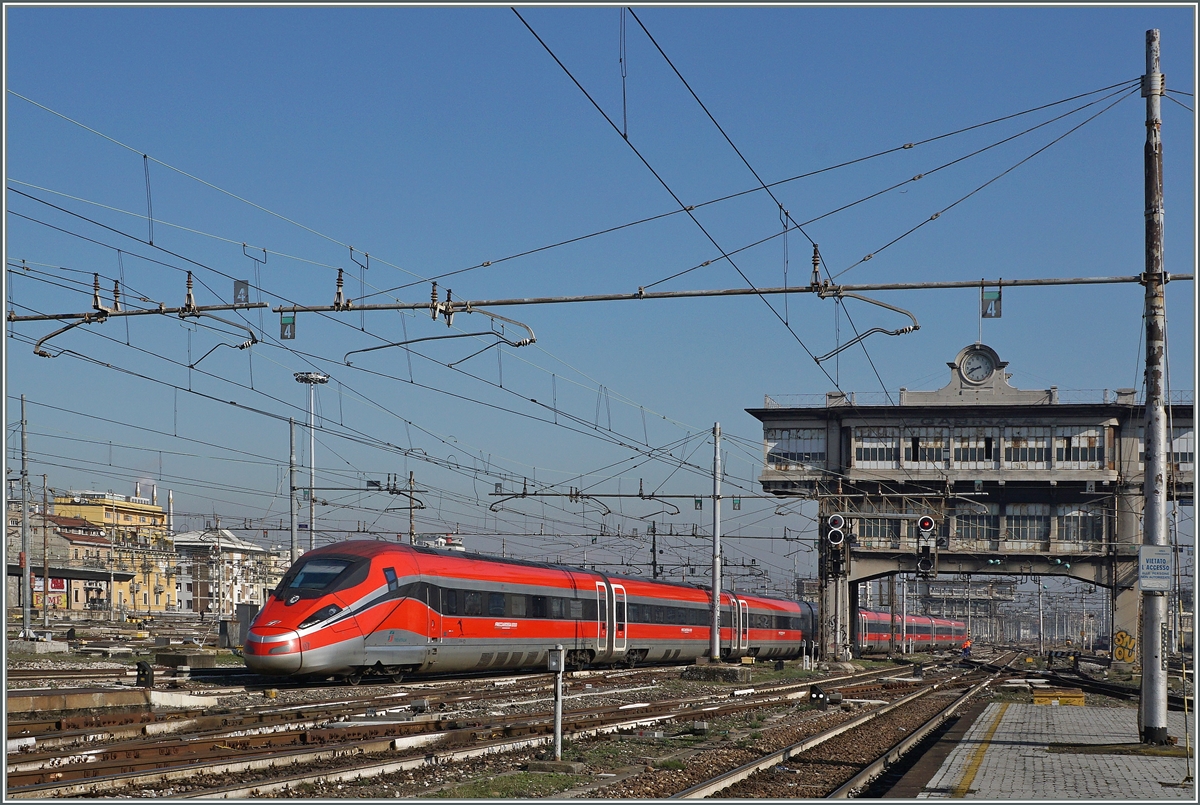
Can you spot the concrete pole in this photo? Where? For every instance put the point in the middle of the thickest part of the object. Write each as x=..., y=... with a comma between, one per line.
x=970, y=607
x=891, y=616
x=46, y=564
x=292, y=484
x=1041, y=622
x=1154, y=529
x=412, y=523
x=558, y=702
x=26, y=583
x=715, y=637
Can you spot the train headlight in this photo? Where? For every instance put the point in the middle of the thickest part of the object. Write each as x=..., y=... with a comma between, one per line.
x=324, y=613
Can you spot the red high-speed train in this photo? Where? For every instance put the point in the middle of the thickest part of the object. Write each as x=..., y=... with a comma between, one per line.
x=922, y=632
x=375, y=608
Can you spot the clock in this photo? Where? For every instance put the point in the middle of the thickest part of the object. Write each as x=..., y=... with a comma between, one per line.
x=977, y=366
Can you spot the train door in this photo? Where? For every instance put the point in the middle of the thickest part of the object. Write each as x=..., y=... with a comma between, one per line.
x=744, y=620
x=735, y=626
x=601, y=618
x=619, y=625
x=433, y=605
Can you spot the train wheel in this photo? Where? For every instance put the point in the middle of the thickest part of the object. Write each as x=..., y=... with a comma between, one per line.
x=354, y=678
x=396, y=678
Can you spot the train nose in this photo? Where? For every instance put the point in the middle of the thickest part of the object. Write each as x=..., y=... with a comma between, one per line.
x=272, y=651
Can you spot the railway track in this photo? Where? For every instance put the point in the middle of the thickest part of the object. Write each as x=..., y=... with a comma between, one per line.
x=843, y=760
x=270, y=742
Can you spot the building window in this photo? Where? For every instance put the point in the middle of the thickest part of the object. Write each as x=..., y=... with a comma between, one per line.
x=978, y=526
x=1080, y=448
x=926, y=446
x=1028, y=527
x=876, y=448
x=108, y=515
x=141, y=519
x=157, y=599
x=1080, y=527
x=76, y=595
x=975, y=448
x=789, y=448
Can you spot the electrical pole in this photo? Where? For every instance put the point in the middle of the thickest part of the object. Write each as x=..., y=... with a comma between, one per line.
x=892, y=616
x=1042, y=643
x=26, y=583
x=412, y=526
x=45, y=562
x=653, y=551
x=292, y=484
x=311, y=379
x=715, y=637
x=112, y=557
x=1153, y=709
x=969, y=606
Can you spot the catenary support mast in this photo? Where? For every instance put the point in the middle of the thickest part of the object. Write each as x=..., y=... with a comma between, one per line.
x=1153, y=708
x=715, y=637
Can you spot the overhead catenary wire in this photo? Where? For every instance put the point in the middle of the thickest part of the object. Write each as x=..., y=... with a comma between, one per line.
x=684, y=207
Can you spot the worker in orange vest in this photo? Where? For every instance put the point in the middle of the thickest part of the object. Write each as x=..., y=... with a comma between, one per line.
x=966, y=648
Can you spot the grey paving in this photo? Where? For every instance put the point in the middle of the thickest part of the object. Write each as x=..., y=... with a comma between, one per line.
x=1015, y=761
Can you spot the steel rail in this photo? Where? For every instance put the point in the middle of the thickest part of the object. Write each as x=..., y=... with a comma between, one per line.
x=868, y=774
x=712, y=786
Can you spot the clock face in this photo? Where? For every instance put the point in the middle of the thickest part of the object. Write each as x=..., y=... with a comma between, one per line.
x=977, y=367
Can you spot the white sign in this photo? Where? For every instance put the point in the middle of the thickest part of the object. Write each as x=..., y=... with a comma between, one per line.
x=1154, y=567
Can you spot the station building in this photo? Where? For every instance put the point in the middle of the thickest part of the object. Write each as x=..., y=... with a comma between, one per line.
x=1019, y=482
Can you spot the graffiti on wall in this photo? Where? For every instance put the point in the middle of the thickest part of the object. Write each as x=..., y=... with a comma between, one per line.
x=1124, y=647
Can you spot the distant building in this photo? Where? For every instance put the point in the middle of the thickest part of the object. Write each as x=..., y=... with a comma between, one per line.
x=137, y=529
x=79, y=556
x=446, y=543
x=219, y=570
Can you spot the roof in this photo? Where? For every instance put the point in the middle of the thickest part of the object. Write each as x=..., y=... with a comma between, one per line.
x=208, y=539
x=62, y=521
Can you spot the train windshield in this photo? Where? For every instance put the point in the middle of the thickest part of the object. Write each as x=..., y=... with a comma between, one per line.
x=318, y=574
x=323, y=574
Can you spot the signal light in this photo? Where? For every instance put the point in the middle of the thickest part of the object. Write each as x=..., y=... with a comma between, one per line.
x=926, y=563
x=837, y=525
x=926, y=524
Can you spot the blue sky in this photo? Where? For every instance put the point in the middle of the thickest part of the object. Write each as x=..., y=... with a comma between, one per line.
x=436, y=139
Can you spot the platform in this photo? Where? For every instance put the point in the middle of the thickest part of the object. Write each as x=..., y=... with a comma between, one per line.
x=1029, y=752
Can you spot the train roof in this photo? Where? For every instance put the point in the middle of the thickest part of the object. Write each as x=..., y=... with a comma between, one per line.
x=363, y=547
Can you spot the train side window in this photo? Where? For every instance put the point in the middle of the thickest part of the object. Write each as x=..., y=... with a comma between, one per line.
x=450, y=602
x=472, y=603
x=620, y=614
x=537, y=608
x=575, y=609
x=390, y=574
x=556, y=607
x=516, y=606
x=495, y=603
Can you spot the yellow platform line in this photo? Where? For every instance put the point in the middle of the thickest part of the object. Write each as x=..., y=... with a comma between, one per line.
x=976, y=760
